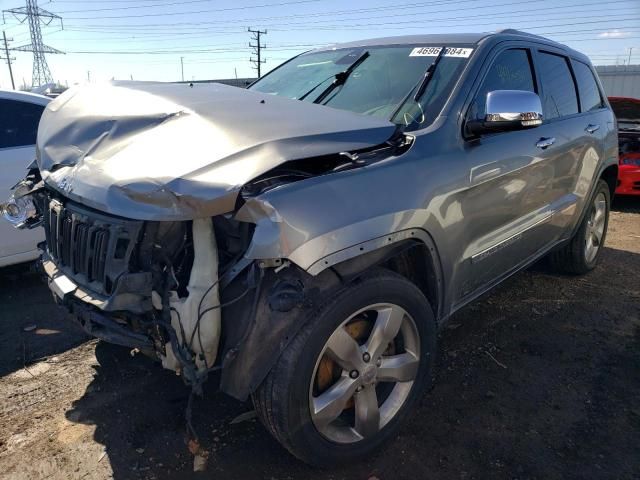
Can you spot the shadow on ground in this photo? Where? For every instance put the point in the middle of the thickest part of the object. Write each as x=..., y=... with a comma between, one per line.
x=626, y=203
x=537, y=380
x=31, y=325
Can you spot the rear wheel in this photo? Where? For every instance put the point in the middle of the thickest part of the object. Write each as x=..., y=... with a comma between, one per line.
x=352, y=373
x=581, y=254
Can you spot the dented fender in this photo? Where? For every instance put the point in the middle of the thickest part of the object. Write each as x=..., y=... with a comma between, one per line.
x=315, y=224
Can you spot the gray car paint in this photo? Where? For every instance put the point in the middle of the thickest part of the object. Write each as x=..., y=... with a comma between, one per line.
x=154, y=151
x=490, y=206
x=467, y=196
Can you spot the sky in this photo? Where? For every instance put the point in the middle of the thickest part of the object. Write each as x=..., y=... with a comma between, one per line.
x=146, y=39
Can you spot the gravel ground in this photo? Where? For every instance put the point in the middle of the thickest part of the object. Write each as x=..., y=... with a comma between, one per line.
x=538, y=379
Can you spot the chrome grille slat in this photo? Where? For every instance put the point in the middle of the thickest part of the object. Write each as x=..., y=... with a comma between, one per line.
x=83, y=244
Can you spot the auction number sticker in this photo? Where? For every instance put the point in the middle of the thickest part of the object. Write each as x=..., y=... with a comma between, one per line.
x=435, y=51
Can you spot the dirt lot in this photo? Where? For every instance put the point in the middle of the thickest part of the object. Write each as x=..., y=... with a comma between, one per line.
x=539, y=379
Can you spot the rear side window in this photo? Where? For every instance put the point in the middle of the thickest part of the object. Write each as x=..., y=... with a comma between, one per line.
x=559, y=91
x=587, y=87
x=18, y=123
x=511, y=70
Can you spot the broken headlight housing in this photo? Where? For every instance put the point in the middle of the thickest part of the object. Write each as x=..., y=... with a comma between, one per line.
x=20, y=209
x=20, y=212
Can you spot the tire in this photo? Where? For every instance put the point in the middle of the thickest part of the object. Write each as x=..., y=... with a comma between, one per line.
x=284, y=400
x=577, y=257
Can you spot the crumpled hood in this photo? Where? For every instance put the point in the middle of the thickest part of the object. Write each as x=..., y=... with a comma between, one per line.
x=158, y=151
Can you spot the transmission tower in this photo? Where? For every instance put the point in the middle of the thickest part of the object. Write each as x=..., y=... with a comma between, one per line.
x=257, y=49
x=36, y=17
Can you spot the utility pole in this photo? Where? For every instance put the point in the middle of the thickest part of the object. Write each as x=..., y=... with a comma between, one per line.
x=8, y=57
x=630, y=50
x=36, y=17
x=182, y=67
x=257, y=49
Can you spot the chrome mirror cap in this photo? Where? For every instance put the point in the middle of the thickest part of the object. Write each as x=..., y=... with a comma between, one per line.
x=510, y=106
x=508, y=110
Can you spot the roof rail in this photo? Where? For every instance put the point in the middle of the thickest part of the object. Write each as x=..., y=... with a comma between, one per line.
x=512, y=30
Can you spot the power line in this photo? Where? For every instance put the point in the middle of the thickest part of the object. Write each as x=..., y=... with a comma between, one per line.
x=200, y=26
x=105, y=1
x=132, y=7
x=36, y=16
x=215, y=10
x=343, y=13
x=257, y=49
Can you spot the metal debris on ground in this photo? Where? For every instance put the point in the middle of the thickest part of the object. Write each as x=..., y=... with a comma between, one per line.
x=243, y=417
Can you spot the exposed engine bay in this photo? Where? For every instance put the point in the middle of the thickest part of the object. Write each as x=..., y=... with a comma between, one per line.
x=181, y=264
x=183, y=291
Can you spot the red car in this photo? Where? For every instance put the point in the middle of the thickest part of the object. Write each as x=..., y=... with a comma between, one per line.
x=627, y=111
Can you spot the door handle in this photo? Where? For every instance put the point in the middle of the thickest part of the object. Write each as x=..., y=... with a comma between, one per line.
x=591, y=128
x=545, y=142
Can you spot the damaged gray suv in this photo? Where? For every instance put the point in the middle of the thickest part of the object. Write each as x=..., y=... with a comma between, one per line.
x=308, y=236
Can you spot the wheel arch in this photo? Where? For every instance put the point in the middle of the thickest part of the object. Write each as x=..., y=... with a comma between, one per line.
x=251, y=345
x=610, y=175
x=414, y=258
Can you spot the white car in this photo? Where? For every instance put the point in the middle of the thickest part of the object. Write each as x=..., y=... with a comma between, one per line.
x=19, y=117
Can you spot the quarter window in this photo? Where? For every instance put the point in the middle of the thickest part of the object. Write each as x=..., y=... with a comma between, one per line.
x=590, y=98
x=559, y=91
x=19, y=123
x=511, y=70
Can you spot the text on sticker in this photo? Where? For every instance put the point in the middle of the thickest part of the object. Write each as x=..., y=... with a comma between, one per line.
x=435, y=51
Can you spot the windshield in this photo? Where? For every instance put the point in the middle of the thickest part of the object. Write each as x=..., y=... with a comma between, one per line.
x=381, y=81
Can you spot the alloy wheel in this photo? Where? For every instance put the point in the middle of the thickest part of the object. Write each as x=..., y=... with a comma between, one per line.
x=595, y=227
x=364, y=373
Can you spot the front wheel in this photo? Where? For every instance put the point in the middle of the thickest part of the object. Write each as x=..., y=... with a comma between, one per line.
x=352, y=373
x=581, y=254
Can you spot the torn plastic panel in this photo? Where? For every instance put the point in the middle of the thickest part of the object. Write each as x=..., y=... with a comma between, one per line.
x=154, y=151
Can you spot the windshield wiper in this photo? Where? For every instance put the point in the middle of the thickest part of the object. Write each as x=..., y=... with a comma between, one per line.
x=341, y=78
x=428, y=74
x=422, y=85
x=316, y=86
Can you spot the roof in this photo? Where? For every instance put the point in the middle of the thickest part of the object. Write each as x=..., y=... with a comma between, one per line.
x=443, y=38
x=24, y=97
x=446, y=39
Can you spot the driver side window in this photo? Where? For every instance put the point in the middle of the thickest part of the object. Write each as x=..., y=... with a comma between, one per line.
x=511, y=70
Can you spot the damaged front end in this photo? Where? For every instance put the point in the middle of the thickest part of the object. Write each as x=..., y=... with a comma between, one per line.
x=176, y=250
x=153, y=286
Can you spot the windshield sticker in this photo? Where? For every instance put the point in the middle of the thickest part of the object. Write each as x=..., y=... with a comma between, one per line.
x=435, y=51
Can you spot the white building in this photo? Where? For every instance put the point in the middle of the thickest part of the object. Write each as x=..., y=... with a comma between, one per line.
x=620, y=80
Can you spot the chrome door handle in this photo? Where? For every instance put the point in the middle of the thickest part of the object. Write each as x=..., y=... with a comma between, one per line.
x=591, y=128
x=545, y=142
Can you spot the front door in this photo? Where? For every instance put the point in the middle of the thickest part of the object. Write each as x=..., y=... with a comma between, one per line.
x=508, y=205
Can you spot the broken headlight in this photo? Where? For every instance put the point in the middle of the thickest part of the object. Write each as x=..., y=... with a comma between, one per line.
x=21, y=212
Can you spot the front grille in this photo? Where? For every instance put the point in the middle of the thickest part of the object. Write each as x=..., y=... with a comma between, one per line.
x=92, y=248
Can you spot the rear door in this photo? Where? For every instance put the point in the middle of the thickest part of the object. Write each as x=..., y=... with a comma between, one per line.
x=576, y=119
x=18, y=129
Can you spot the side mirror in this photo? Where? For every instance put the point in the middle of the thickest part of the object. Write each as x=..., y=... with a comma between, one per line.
x=508, y=110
